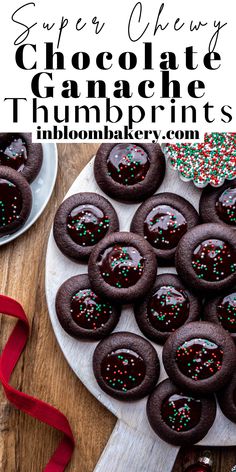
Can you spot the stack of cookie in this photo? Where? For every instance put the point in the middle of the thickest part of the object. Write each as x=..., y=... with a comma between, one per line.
x=198, y=356
x=20, y=163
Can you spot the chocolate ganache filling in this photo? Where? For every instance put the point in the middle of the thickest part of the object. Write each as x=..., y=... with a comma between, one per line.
x=123, y=369
x=199, y=358
x=13, y=151
x=214, y=260
x=90, y=311
x=181, y=412
x=121, y=266
x=128, y=164
x=164, y=226
x=87, y=225
x=168, y=308
x=226, y=206
x=10, y=202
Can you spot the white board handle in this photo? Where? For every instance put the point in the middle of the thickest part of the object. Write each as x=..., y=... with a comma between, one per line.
x=128, y=450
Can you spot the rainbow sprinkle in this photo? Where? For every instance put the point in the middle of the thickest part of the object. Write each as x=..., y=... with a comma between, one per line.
x=205, y=163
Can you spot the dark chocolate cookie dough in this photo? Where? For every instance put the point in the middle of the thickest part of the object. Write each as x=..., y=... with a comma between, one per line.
x=199, y=357
x=222, y=310
x=81, y=221
x=206, y=258
x=227, y=399
x=126, y=366
x=82, y=313
x=15, y=200
x=218, y=205
x=163, y=219
x=129, y=172
x=122, y=267
x=167, y=307
x=180, y=418
x=18, y=152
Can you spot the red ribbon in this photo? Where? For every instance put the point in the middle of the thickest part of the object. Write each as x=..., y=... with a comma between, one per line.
x=30, y=405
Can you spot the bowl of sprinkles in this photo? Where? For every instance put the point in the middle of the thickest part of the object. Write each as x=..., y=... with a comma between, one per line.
x=211, y=162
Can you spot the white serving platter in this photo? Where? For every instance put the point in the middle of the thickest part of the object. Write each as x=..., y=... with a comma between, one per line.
x=133, y=446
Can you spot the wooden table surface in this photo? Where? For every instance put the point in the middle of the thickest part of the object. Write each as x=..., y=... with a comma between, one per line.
x=25, y=444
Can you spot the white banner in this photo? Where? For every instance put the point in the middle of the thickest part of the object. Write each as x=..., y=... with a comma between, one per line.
x=127, y=70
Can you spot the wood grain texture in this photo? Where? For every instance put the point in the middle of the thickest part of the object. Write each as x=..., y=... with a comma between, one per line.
x=25, y=444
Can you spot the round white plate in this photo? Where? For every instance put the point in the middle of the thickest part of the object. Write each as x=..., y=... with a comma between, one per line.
x=41, y=187
x=133, y=446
